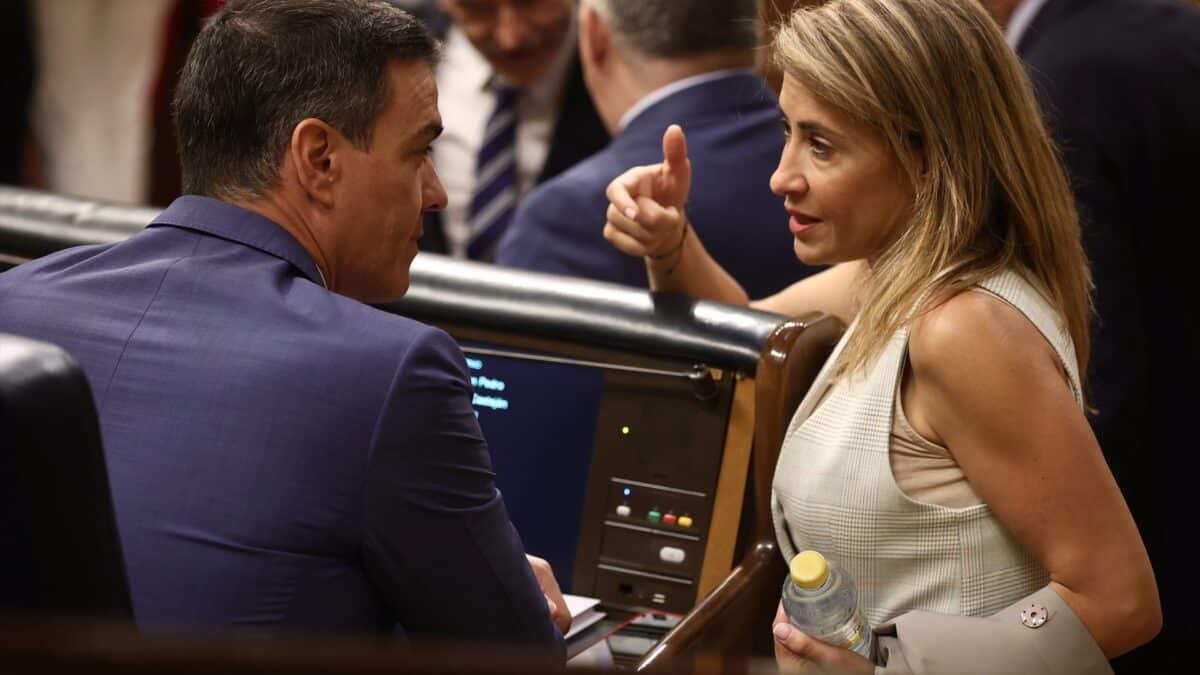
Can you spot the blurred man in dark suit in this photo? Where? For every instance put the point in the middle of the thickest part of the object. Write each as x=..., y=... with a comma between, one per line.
x=515, y=109
x=1119, y=83
x=283, y=455
x=649, y=64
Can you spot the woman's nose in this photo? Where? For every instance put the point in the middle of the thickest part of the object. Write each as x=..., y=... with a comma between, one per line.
x=788, y=177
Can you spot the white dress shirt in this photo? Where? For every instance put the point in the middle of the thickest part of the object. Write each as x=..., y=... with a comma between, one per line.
x=1019, y=22
x=466, y=101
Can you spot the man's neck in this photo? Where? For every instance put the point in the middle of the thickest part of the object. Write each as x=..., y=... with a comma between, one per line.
x=278, y=209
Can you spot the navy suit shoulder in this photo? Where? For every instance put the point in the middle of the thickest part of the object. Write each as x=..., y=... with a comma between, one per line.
x=559, y=227
x=280, y=456
x=1081, y=56
x=734, y=144
x=1118, y=79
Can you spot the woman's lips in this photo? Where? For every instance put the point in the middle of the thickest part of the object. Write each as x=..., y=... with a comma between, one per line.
x=800, y=223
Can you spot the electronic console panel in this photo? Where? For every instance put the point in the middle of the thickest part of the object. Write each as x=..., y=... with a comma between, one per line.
x=608, y=470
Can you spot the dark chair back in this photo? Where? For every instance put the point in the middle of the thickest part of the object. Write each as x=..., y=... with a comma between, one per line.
x=61, y=554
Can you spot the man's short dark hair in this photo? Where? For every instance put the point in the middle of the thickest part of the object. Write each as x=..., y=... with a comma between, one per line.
x=259, y=67
x=675, y=28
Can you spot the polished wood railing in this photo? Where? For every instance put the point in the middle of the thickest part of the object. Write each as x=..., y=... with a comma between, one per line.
x=730, y=618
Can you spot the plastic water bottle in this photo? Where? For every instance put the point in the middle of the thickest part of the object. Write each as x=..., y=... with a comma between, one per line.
x=821, y=600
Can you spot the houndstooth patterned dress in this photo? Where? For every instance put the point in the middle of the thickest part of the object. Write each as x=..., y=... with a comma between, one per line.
x=834, y=492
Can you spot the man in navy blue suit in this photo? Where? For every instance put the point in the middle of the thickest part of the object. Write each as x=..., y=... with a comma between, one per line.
x=1119, y=84
x=649, y=64
x=282, y=455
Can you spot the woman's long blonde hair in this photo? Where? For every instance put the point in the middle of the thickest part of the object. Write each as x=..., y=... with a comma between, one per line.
x=953, y=103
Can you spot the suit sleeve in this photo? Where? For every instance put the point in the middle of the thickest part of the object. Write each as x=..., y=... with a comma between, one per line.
x=439, y=544
x=925, y=643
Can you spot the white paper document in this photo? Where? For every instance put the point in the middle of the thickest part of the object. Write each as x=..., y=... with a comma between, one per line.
x=583, y=613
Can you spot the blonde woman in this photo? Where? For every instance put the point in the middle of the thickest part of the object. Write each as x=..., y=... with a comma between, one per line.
x=942, y=456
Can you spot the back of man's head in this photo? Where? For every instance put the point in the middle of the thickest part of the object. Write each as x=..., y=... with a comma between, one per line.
x=669, y=29
x=259, y=67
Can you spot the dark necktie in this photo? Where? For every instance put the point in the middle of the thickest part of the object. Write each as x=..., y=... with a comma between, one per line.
x=495, y=196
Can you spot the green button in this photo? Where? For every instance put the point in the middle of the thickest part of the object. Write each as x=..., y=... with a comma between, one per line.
x=654, y=516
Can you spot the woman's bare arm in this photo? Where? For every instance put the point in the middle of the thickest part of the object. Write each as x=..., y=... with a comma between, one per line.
x=832, y=291
x=987, y=385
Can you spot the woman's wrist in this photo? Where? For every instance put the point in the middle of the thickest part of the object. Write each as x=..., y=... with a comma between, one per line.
x=672, y=256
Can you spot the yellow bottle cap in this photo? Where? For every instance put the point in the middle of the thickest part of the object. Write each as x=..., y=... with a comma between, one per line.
x=809, y=569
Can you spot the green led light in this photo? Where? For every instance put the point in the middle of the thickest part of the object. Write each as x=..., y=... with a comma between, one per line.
x=625, y=430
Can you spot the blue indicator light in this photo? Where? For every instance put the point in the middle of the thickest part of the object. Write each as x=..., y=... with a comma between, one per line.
x=627, y=491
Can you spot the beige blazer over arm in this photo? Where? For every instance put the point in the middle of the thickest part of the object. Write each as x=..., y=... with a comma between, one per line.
x=926, y=643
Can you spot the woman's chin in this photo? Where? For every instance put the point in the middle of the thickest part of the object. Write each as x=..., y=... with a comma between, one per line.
x=810, y=255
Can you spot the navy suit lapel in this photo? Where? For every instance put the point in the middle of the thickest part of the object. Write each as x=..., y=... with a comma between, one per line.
x=578, y=132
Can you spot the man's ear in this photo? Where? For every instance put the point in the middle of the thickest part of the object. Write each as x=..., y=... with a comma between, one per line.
x=595, y=37
x=314, y=152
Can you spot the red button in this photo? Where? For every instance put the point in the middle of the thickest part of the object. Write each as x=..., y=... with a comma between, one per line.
x=670, y=518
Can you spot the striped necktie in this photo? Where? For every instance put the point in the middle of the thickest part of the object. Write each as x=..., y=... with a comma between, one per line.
x=495, y=196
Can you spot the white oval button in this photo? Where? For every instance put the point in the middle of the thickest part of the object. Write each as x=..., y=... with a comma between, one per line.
x=671, y=554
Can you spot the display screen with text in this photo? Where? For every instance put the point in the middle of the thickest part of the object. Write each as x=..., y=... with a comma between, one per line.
x=539, y=420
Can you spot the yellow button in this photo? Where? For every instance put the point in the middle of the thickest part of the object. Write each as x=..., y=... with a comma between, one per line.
x=684, y=521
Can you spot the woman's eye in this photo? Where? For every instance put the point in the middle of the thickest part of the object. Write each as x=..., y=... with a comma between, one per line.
x=820, y=148
x=787, y=128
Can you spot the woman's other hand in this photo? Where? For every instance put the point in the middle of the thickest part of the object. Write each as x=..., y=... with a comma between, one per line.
x=797, y=652
x=645, y=215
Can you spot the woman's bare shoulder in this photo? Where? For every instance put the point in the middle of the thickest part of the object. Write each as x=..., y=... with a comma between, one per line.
x=974, y=334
